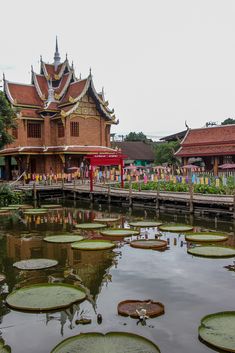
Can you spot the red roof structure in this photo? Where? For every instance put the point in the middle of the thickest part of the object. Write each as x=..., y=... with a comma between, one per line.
x=210, y=141
x=60, y=117
x=214, y=145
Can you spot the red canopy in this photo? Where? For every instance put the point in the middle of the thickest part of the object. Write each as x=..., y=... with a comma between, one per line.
x=227, y=166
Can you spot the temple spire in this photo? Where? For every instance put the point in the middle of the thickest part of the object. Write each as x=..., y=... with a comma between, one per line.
x=57, y=55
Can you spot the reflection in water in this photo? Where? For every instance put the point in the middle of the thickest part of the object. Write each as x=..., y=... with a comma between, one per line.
x=21, y=237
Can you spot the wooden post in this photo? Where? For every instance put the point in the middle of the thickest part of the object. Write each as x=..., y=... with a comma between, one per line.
x=215, y=167
x=34, y=192
x=157, y=198
x=74, y=189
x=122, y=181
x=109, y=196
x=130, y=194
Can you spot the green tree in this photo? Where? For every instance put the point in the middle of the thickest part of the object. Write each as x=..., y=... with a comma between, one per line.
x=136, y=136
x=228, y=121
x=164, y=152
x=7, y=120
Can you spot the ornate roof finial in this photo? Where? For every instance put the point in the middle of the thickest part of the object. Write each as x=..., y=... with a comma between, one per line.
x=90, y=72
x=57, y=55
x=41, y=58
x=66, y=56
x=72, y=65
x=80, y=76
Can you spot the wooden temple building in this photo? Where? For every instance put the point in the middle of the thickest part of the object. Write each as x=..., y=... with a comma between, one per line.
x=60, y=120
x=214, y=145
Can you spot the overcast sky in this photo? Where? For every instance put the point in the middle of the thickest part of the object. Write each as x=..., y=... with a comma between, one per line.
x=161, y=62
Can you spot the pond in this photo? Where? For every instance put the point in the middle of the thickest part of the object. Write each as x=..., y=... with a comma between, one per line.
x=190, y=287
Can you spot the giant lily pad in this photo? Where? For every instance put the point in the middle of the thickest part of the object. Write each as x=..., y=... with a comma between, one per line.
x=93, y=245
x=10, y=208
x=143, y=224
x=130, y=308
x=3, y=348
x=112, y=342
x=2, y=279
x=178, y=228
x=35, y=264
x=66, y=238
x=206, y=237
x=44, y=297
x=35, y=211
x=212, y=251
x=106, y=220
x=51, y=206
x=22, y=206
x=149, y=244
x=87, y=226
x=219, y=330
x=120, y=232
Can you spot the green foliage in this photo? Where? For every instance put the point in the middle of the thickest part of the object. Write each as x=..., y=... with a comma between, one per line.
x=7, y=120
x=228, y=121
x=8, y=196
x=136, y=136
x=164, y=152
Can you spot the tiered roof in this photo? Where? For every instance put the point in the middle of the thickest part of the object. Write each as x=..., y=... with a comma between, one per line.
x=55, y=91
x=210, y=141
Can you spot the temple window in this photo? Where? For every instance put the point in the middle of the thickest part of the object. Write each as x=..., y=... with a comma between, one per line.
x=15, y=132
x=34, y=130
x=74, y=129
x=60, y=128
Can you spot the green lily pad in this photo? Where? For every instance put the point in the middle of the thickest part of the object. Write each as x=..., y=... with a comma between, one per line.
x=2, y=279
x=51, y=206
x=35, y=211
x=178, y=228
x=212, y=251
x=91, y=226
x=149, y=244
x=106, y=220
x=10, y=208
x=23, y=206
x=63, y=238
x=206, y=237
x=112, y=342
x=120, y=232
x=44, y=297
x=3, y=348
x=35, y=264
x=93, y=245
x=219, y=330
x=143, y=224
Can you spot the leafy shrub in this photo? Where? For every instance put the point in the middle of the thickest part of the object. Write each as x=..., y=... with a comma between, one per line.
x=9, y=196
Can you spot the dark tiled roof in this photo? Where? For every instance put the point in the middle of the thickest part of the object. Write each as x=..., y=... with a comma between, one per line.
x=174, y=137
x=136, y=150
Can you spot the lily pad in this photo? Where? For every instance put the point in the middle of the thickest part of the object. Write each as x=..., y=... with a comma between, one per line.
x=206, y=237
x=93, y=245
x=149, y=244
x=35, y=211
x=44, y=297
x=219, y=330
x=63, y=238
x=120, y=232
x=178, y=228
x=2, y=279
x=51, y=206
x=22, y=206
x=130, y=307
x=91, y=226
x=212, y=251
x=10, y=208
x=3, y=348
x=106, y=220
x=143, y=224
x=112, y=342
x=35, y=264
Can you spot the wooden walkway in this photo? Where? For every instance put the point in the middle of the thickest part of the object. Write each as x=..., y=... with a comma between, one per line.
x=215, y=204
